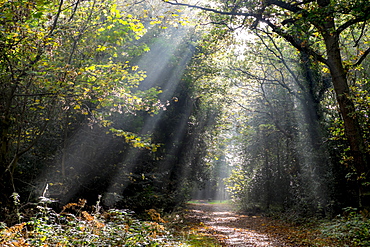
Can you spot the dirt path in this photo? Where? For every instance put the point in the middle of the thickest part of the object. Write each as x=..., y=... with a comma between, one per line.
x=233, y=229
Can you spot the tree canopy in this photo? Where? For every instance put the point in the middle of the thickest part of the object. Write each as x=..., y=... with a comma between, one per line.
x=146, y=102
x=319, y=30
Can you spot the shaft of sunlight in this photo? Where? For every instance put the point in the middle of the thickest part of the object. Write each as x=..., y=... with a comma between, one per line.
x=156, y=64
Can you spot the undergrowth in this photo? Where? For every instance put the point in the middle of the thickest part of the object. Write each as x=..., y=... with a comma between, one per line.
x=353, y=228
x=75, y=226
x=210, y=201
x=350, y=229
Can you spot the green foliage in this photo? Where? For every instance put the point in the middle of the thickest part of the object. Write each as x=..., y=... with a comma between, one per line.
x=66, y=60
x=66, y=64
x=195, y=240
x=329, y=38
x=111, y=228
x=353, y=227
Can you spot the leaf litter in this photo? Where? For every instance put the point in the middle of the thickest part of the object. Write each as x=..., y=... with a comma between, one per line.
x=232, y=229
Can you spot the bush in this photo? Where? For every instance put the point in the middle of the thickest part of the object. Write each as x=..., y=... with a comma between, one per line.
x=353, y=228
x=81, y=228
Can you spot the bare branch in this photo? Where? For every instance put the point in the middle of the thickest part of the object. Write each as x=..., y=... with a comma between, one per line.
x=274, y=120
x=304, y=2
x=362, y=58
x=74, y=10
x=235, y=13
x=297, y=43
x=353, y=21
x=361, y=34
x=281, y=58
x=286, y=6
x=56, y=18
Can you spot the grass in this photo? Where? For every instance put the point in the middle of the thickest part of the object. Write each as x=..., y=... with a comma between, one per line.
x=201, y=240
x=210, y=201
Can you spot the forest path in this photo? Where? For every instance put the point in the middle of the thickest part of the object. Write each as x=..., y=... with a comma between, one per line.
x=232, y=229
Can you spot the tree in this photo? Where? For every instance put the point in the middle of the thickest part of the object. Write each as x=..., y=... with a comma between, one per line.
x=281, y=165
x=63, y=62
x=317, y=29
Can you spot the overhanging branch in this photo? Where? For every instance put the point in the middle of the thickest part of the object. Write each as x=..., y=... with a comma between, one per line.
x=297, y=43
x=351, y=22
x=213, y=10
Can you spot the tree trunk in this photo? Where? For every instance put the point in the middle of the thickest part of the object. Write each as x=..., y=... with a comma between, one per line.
x=352, y=126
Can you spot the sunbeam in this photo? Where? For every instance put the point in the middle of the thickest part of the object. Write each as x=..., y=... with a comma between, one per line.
x=88, y=146
x=156, y=64
x=150, y=122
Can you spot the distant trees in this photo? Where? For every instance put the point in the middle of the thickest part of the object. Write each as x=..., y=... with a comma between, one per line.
x=320, y=31
x=282, y=152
